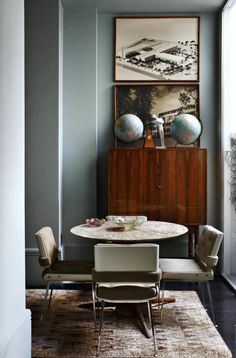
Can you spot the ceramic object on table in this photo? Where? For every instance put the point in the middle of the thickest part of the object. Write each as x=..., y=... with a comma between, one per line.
x=127, y=222
x=95, y=222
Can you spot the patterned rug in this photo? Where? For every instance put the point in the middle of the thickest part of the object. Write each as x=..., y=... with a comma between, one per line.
x=68, y=330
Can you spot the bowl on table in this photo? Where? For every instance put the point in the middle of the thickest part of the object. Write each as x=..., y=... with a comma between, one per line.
x=126, y=222
x=95, y=222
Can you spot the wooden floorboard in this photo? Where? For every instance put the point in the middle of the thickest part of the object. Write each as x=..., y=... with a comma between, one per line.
x=224, y=305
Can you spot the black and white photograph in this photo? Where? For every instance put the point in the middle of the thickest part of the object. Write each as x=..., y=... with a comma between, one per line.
x=153, y=103
x=157, y=49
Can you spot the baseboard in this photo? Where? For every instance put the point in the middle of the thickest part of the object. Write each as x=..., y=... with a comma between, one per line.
x=229, y=282
x=18, y=342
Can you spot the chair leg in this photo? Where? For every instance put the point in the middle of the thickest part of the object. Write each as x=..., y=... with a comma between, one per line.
x=163, y=284
x=211, y=303
x=202, y=294
x=150, y=314
x=50, y=297
x=94, y=305
x=45, y=301
x=100, y=328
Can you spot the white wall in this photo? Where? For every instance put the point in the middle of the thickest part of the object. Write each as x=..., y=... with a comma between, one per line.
x=15, y=323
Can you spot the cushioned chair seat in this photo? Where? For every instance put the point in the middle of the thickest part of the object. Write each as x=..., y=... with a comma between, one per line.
x=69, y=271
x=122, y=293
x=186, y=269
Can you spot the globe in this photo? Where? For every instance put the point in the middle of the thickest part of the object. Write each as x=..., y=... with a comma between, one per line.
x=185, y=129
x=128, y=128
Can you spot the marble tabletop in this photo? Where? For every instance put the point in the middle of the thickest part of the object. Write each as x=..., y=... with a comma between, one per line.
x=149, y=231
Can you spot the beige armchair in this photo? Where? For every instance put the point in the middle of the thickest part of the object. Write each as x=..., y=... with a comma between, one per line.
x=126, y=273
x=58, y=270
x=201, y=268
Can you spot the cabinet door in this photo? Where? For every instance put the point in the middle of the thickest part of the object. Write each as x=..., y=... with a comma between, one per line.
x=158, y=185
x=165, y=184
x=125, y=182
x=182, y=186
x=197, y=187
x=150, y=184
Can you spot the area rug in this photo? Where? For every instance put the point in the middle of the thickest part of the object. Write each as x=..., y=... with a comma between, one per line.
x=68, y=329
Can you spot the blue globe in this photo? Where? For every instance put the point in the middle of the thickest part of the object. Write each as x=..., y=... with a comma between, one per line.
x=128, y=128
x=185, y=129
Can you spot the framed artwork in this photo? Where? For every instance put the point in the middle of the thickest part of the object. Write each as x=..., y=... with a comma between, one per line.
x=164, y=101
x=157, y=49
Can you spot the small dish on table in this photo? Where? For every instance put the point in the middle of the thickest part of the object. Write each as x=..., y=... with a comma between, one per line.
x=94, y=222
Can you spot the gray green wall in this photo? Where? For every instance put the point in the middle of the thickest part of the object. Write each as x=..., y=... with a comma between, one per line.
x=79, y=127
x=88, y=126
x=42, y=125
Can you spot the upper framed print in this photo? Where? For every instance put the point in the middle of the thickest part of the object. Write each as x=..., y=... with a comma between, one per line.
x=157, y=49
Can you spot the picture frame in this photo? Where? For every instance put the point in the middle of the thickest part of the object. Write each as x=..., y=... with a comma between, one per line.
x=166, y=101
x=157, y=49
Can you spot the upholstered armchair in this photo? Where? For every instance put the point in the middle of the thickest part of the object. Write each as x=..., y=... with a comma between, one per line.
x=201, y=268
x=58, y=270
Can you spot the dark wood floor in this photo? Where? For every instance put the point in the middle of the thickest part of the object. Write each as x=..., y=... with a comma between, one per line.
x=224, y=305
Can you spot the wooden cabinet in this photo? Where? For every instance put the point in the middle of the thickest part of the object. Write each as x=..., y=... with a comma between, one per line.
x=163, y=184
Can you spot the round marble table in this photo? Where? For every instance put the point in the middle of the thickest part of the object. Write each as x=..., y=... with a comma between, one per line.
x=149, y=231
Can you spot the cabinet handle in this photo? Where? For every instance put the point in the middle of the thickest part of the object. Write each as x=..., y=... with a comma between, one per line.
x=158, y=187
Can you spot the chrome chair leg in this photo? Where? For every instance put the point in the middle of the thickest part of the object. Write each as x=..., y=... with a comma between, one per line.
x=211, y=302
x=202, y=294
x=150, y=314
x=50, y=297
x=100, y=328
x=45, y=301
x=94, y=305
x=163, y=284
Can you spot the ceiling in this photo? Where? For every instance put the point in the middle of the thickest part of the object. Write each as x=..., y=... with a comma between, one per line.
x=148, y=6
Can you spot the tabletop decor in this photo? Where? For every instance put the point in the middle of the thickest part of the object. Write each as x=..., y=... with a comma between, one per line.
x=94, y=222
x=157, y=49
x=155, y=103
x=128, y=223
x=128, y=128
x=186, y=129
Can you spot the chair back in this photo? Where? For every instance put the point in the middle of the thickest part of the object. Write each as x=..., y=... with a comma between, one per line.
x=208, y=246
x=47, y=246
x=126, y=257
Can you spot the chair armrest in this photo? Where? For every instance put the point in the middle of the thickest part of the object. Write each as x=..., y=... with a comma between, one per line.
x=125, y=277
x=43, y=261
x=212, y=261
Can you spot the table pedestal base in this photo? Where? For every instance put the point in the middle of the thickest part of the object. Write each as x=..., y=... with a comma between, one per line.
x=135, y=310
